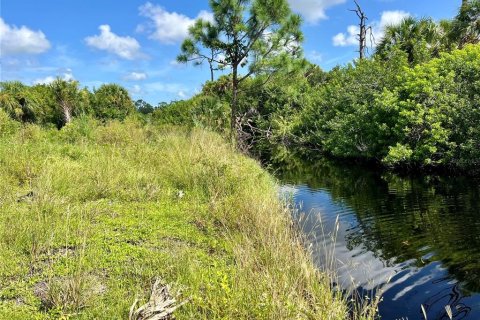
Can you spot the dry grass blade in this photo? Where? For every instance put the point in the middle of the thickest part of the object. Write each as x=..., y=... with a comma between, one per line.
x=160, y=306
x=448, y=309
x=424, y=312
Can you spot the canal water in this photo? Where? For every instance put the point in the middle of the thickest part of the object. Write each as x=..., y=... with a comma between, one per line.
x=417, y=238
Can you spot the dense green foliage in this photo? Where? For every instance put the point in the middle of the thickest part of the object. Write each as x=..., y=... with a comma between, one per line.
x=57, y=103
x=393, y=111
x=258, y=35
x=465, y=27
x=437, y=111
x=413, y=103
x=91, y=215
x=421, y=39
x=112, y=102
x=425, y=115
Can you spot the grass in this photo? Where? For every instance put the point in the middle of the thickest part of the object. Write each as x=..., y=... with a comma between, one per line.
x=92, y=215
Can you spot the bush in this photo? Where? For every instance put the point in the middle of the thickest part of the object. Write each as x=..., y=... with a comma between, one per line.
x=436, y=110
x=7, y=125
x=80, y=129
x=112, y=101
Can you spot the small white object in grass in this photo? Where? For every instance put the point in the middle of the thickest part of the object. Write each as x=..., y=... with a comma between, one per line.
x=180, y=194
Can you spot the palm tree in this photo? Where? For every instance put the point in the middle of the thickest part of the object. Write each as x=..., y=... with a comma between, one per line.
x=466, y=25
x=16, y=101
x=112, y=102
x=9, y=103
x=66, y=95
x=420, y=39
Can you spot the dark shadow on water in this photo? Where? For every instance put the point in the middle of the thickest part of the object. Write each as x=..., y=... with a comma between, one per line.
x=424, y=230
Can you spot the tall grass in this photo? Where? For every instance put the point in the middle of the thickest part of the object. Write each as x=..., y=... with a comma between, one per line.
x=91, y=215
x=321, y=242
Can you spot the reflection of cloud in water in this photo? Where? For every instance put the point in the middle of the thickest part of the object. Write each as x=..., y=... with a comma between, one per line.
x=406, y=285
x=354, y=267
x=421, y=281
x=288, y=190
x=423, y=230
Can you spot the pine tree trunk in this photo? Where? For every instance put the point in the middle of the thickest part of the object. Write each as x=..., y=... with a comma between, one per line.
x=233, y=116
x=211, y=70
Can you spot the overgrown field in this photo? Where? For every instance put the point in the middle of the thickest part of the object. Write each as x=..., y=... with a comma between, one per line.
x=92, y=214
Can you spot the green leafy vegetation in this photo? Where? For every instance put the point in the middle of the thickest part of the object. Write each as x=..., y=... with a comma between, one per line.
x=59, y=102
x=100, y=196
x=413, y=103
x=386, y=110
x=259, y=35
x=426, y=115
x=112, y=102
x=91, y=215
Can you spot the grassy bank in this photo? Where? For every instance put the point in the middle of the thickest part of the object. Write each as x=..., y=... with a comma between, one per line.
x=91, y=215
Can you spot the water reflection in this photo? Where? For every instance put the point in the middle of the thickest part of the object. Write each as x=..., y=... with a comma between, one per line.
x=423, y=232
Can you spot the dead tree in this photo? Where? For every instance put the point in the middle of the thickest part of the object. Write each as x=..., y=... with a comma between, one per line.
x=364, y=29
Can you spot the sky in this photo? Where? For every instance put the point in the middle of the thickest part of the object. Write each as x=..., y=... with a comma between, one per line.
x=135, y=43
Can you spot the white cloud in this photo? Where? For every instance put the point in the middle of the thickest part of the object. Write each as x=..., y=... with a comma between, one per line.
x=347, y=39
x=388, y=18
x=46, y=80
x=136, y=89
x=181, y=94
x=315, y=56
x=14, y=40
x=392, y=18
x=66, y=75
x=124, y=47
x=175, y=90
x=168, y=27
x=313, y=10
x=205, y=15
x=135, y=76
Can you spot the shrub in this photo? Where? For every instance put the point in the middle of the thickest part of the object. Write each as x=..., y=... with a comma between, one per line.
x=112, y=101
x=7, y=125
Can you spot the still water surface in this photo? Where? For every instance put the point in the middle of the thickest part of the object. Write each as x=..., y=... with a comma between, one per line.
x=418, y=238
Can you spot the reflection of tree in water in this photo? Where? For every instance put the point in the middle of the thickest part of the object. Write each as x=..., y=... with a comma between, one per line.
x=449, y=296
x=405, y=218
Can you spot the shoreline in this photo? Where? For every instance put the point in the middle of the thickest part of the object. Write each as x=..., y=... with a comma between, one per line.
x=117, y=206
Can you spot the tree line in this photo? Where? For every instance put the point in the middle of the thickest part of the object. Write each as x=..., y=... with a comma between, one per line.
x=59, y=102
x=414, y=102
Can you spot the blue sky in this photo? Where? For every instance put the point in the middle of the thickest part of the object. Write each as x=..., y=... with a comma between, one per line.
x=134, y=43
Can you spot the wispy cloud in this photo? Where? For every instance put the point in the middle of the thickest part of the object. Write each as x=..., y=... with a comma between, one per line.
x=175, y=90
x=65, y=74
x=314, y=56
x=350, y=38
x=313, y=10
x=135, y=76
